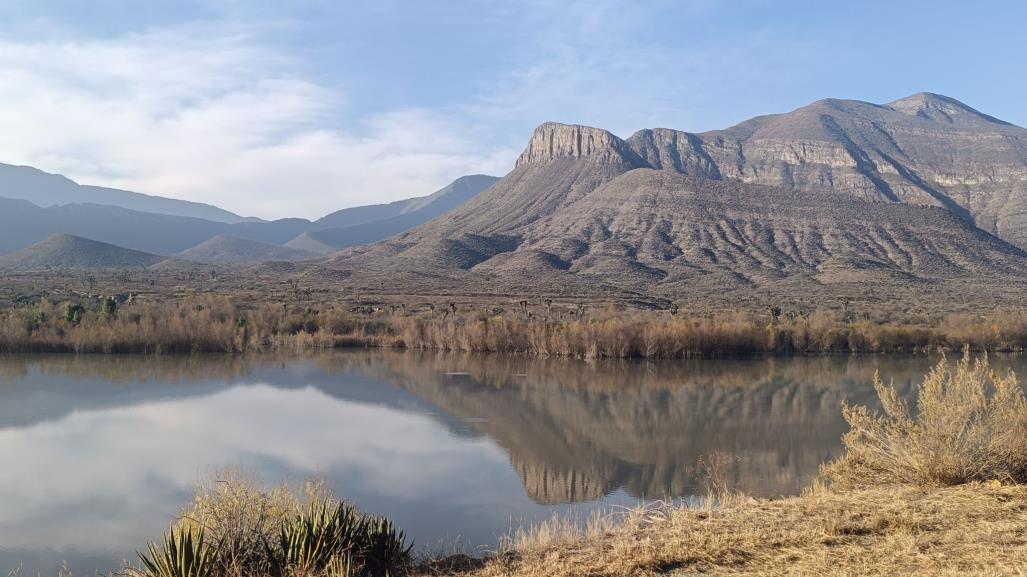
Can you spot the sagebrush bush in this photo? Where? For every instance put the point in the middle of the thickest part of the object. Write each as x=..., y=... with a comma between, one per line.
x=969, y=424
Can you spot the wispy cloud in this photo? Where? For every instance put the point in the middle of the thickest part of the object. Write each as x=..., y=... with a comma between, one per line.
x=210, y=113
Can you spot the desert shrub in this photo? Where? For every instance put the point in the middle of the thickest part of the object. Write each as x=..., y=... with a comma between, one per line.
x=970, y=425
x=243, y=517
x=281, y=532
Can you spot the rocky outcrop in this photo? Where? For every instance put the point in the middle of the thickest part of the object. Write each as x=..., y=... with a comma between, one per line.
x=552, y=141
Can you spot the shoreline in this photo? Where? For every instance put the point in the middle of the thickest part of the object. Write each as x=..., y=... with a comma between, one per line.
x=221, y=325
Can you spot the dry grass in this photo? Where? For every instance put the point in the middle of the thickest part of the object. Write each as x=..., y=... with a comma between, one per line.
x=965, y=530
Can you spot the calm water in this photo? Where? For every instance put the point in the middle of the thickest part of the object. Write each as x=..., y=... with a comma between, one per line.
x=100, y=453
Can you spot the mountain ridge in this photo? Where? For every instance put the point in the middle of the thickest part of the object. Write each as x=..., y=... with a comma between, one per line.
x=838, y=191
x=45, y=189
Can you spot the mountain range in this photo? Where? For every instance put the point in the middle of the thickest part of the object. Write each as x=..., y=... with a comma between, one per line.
x=920, y=190
x=924, y=191
x=165, y=230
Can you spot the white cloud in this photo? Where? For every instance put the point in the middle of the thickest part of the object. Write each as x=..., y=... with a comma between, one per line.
x=209, y=113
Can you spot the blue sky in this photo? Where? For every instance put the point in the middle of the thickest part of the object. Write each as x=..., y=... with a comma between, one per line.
x=299, y=108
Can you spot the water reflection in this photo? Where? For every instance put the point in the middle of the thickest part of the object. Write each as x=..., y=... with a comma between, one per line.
x=101, y=451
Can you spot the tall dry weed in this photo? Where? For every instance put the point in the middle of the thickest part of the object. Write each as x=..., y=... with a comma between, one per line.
x=969, y=424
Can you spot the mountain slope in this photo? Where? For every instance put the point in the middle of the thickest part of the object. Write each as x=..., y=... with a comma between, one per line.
x=452, y=195
x=368, y=224
x=925, y=149
x=587, y=212
x=44, y=189
x=228, y=250
x=67, y=251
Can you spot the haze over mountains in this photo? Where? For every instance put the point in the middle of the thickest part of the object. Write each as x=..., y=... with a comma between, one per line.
x=44, y=189
x=164, y=231
x=921, y=189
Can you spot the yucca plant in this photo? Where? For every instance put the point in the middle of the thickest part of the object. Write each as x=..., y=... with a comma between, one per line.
x=384, y=548
x=312, y=541
x=185, y=553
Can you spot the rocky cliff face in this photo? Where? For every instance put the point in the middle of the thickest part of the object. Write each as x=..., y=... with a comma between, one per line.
x=925, y=149
x=552, y=141
x=924, y=190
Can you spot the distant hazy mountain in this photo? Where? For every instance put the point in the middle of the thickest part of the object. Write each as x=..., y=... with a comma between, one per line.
x=835, y=192
x=44, y=189
x=366, y=224
x=67, y=251
x=24, y=223
x=456, y=193
x=228, y=250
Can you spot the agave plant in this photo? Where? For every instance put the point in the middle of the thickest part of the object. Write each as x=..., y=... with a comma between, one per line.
x=185, y=554
x=333, y=538
x=327, y=531
x=384, y=548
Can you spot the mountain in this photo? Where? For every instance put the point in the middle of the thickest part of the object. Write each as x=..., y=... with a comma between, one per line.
x=45, y=189
x=23, y=223
x=836, y=193
x=67, y=251
x=925, y=149
x=229, y=250
x=447, y=198
x=366, y=224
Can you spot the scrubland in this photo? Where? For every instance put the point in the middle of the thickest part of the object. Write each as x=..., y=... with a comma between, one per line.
x=221, y=324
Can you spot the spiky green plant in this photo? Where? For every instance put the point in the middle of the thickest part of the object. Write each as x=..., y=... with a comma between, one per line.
x=328, y=530
x=333, y=538
x=185, y=553
x=384, y=548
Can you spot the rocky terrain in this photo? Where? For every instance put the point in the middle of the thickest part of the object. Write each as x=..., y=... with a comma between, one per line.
x=924, y=191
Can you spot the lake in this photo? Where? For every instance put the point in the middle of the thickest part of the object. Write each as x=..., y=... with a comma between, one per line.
x=101, y=452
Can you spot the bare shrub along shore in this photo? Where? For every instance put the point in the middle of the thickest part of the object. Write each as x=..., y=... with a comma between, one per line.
x=219, y=324
x=933, y=490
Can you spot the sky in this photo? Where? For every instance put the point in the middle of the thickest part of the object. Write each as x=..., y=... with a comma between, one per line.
x=299, y=108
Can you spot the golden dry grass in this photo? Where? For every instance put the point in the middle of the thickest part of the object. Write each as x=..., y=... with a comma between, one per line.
x=902, y=530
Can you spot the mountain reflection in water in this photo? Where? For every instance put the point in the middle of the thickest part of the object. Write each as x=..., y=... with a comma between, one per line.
x=102, y=451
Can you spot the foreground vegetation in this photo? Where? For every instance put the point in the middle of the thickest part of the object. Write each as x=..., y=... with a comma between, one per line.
x=219, y=324
x=234, y=528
